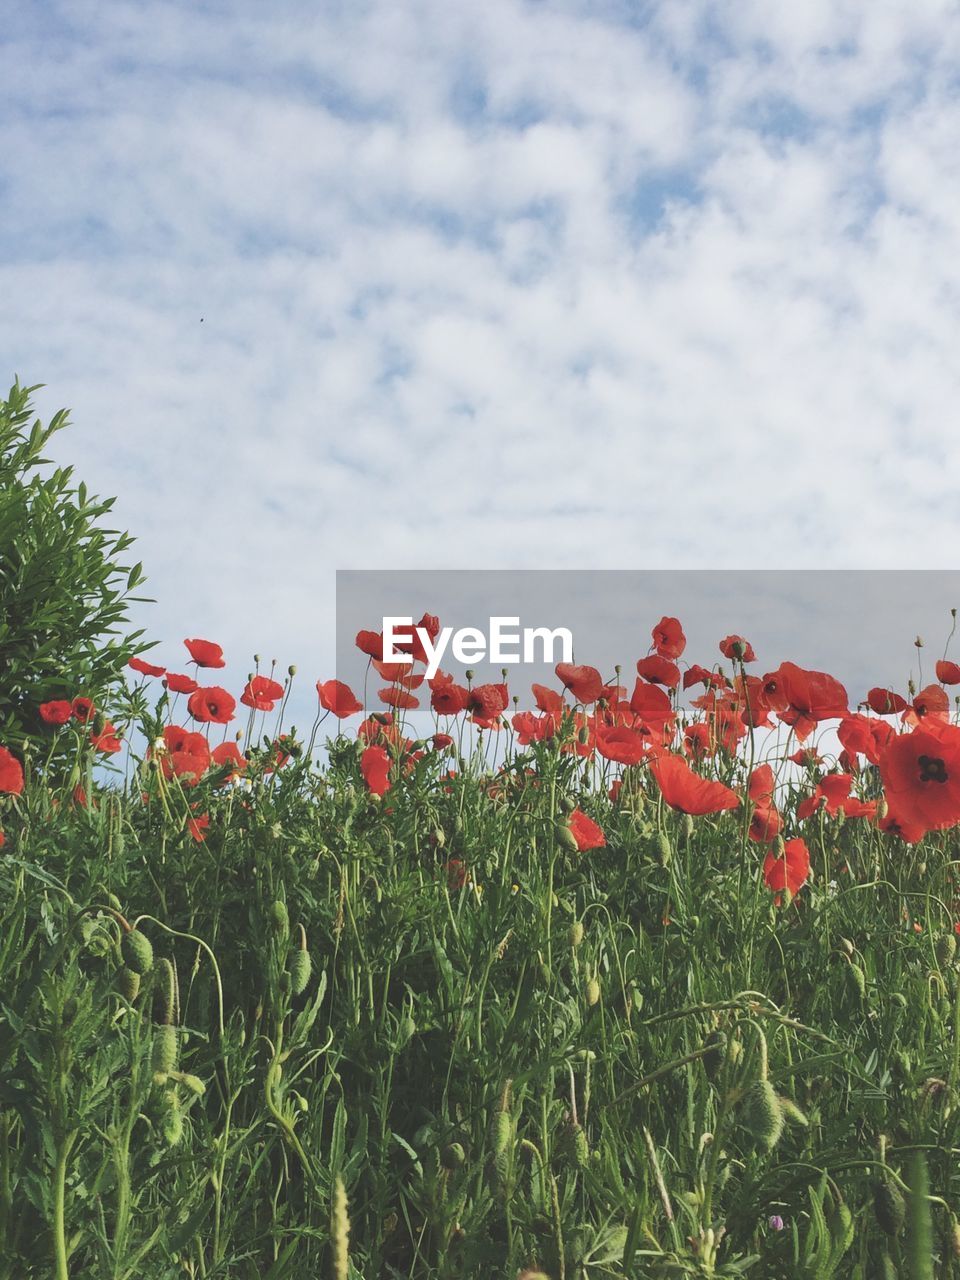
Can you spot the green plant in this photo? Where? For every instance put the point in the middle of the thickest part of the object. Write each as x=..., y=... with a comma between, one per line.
x=63, y=591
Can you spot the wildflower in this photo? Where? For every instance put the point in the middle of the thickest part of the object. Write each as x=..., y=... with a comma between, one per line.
x=107, y=740
x=585, y=831
x=659, y=670
x=145, y=668
x=197, y=827
x=920, y=772
x=180, y=684
x=338, y=697
x=83, y=709
x=375, y=767
x=212, y=705
x=775, y=1222
x=884, y=702
x=585, y=683
x=668, y=638
x=58, y=712
x=205, y=653
x=229, y=753
x=948, y=672
x=11, y=773
x=735, y=647
x=621, y=744
x=487, y=702
x=787, y=870
x=687, y=791
x=261, y=693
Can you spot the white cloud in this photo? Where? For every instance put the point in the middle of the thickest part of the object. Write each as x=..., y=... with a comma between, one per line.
x=507, y=285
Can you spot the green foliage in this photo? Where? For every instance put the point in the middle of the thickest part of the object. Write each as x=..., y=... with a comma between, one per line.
x=63, y=591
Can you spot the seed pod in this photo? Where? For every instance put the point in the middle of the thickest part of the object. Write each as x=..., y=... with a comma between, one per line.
x=592, y=992
x=279, y=919
x=194, y=1084
x=137, y=951
x=575, y=933
x=889, y=1206
x=172, y=1119
x=128, y=983
x=340, y=1231
x=300, y=969
x=946, y=949
x=453, y=1156
x=664, y=849
x=566, y=837
x=165, y=1049
x=762, y=1114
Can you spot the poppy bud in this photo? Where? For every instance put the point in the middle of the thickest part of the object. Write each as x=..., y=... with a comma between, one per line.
x=136, y=951
x=128, y=983
x=946, y=949
x=165, y=1050
x=889, y=1207
x=173, y=1119
x=663, y=848
x=857, y=981
x=575, y=933
x=292, y=670
x=592, y=992
x=453, y=1156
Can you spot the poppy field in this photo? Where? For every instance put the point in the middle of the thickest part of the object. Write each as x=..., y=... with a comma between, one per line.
x=649, y=978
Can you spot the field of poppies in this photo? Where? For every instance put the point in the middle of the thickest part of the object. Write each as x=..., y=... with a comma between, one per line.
x=649, y=981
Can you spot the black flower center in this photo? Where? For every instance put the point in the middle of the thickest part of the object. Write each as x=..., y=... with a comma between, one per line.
x=932, y=769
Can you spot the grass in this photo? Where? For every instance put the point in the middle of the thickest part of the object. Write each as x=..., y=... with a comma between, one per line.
x=552, y=1068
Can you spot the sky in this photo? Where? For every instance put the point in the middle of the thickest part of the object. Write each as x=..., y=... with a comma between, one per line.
x=499, y=285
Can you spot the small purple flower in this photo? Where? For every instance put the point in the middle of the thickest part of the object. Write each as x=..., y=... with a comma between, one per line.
x=775, y=1222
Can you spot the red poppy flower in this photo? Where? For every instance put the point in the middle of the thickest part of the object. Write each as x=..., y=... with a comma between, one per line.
x=441, y=741
x=106, y=740
x=370, y=643
x=531, y=728
x=765, y=824
x=261, y=693
x=736, y=648
x=659, y=670
x=145, y=668
x=920, y=772
x=930, y=703
x=58, y=712
x=456, y=874
x=205, y=653
x=905, y=830
x=788, y=870
x=3, y=839
x=197, y=827
x=408, y=639
x=652, y=708
x=698, y=741
x=862, y=735
x=396, y=696
x=804, y=698
x=548, y=700
x=585, y=683
x=339, y=698
x=11, y=773
x=83, y=709
x=487, y=703
x=585, y=831
x=687, y=791
x=700, y=675
x=180, y=684
x=761, y=786
x=884, y=702
x=375, y=767
x=807, y=757
x=449, y=699
x=948, y=672
x=212, y=705
x=617, y=742
x=668, y=638
x=229, y=753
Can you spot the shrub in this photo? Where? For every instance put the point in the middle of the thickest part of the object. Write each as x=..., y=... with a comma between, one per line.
x=63, y=592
